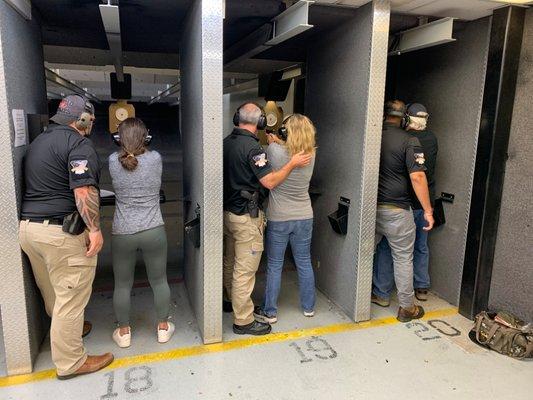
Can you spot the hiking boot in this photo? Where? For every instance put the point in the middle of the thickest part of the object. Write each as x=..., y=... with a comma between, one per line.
x=255, y=328
x=92, y=364
x=227, y=306
x=261, y=316
x=421, y=294
x=380, y=301
x=87, y=326
x=408, y=314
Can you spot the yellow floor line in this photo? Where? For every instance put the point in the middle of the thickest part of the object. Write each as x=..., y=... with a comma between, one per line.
x=228, y=346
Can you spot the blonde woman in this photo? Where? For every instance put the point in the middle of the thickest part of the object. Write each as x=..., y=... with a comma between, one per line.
x=290, y=216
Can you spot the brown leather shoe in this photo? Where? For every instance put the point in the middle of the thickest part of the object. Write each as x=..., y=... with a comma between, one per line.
x=92, y=364
x=87, y=326
x=408, y=314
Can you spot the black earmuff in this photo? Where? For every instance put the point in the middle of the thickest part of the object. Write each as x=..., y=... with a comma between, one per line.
x=147, y=139
x=261, y=123
x=282, y=130
x=116, y=139
x=405, y=119
x=402, y=113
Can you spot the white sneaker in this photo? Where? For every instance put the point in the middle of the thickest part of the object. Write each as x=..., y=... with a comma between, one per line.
x=309, y=313
x=122, y=341
x=164, y=336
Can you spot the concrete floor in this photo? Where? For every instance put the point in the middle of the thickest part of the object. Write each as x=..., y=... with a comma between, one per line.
x=325, y=357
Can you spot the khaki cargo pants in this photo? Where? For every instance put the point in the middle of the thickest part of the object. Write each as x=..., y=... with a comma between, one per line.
x=243, y=246
x=65, y=276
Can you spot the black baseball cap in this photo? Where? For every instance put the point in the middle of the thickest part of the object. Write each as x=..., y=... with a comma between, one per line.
x=71, y=108
x=417, y=110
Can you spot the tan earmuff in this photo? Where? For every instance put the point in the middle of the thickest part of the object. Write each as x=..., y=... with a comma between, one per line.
x=84, y=121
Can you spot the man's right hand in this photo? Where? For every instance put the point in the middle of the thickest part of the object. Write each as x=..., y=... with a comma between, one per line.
x=96, y=242
x=430, y=220
x=301, y=159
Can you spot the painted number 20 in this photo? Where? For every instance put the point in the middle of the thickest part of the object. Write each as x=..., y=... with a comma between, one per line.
x=137, y=380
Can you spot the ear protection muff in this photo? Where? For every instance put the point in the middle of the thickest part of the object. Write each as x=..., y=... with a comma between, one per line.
x=261, y=123
x=402, y=113
x=147, y=139
x=85, y=119
x=282, y=131
x=405, y=119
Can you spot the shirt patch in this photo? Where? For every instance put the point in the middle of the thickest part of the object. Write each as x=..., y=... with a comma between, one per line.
x=260, y=160
x=79, y=167
x=419, y=158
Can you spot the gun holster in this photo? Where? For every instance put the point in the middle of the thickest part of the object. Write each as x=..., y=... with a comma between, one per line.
x=253, y=202
x=74, y=224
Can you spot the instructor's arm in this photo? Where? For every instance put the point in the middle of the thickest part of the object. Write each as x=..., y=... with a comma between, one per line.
x=420, y=186
x=275, y=178
x=88, y=204
x=414, y=161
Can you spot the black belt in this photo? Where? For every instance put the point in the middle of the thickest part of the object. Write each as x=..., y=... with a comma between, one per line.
x=51, y=221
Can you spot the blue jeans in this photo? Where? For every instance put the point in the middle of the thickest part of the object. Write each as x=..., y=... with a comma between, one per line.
x=383, y=275
x=278, y=235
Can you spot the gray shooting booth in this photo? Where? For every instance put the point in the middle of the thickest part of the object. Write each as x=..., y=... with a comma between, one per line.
x=23, y=87
x=345, y=101
x=354, y=58
x=342, y=52
x=448, y=78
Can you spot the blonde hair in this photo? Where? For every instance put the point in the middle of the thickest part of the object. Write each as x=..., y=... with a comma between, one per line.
x=300, y=134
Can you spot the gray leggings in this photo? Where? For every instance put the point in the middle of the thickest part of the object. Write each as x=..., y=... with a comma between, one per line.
x=153, y=245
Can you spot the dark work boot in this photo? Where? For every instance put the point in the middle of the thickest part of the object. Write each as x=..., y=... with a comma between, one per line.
x=255, y=328
x=408, y=314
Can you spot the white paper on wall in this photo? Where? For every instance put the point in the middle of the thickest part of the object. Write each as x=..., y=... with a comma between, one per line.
x=19, y=122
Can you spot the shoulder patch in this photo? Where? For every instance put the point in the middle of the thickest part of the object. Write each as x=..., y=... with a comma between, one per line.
x=419, y=158
x=260, y=160
x=79, y=167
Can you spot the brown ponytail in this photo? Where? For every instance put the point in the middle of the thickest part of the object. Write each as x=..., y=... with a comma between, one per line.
x=132, y=132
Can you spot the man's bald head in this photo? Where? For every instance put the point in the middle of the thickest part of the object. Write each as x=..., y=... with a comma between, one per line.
x=249, y=115
x=394, y=111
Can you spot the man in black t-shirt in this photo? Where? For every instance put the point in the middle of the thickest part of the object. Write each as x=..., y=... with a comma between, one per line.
x=383, y=282
x=61, y=173
x=246, y=172
x=401, y=165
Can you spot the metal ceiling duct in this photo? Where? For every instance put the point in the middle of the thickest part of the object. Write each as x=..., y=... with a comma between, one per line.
x=111, y=20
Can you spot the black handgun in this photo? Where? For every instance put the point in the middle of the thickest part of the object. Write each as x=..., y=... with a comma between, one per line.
x=74, y=224
x=253, y=202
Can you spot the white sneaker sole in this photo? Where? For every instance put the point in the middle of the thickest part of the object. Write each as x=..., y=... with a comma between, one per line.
x=309, y=314
x=122, y=341
x=267, y=320
x=164, y=336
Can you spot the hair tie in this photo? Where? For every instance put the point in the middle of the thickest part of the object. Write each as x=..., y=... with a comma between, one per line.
x=130, y=155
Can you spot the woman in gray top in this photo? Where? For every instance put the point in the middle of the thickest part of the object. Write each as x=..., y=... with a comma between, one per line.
x=138, y=225
x=290, y=217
